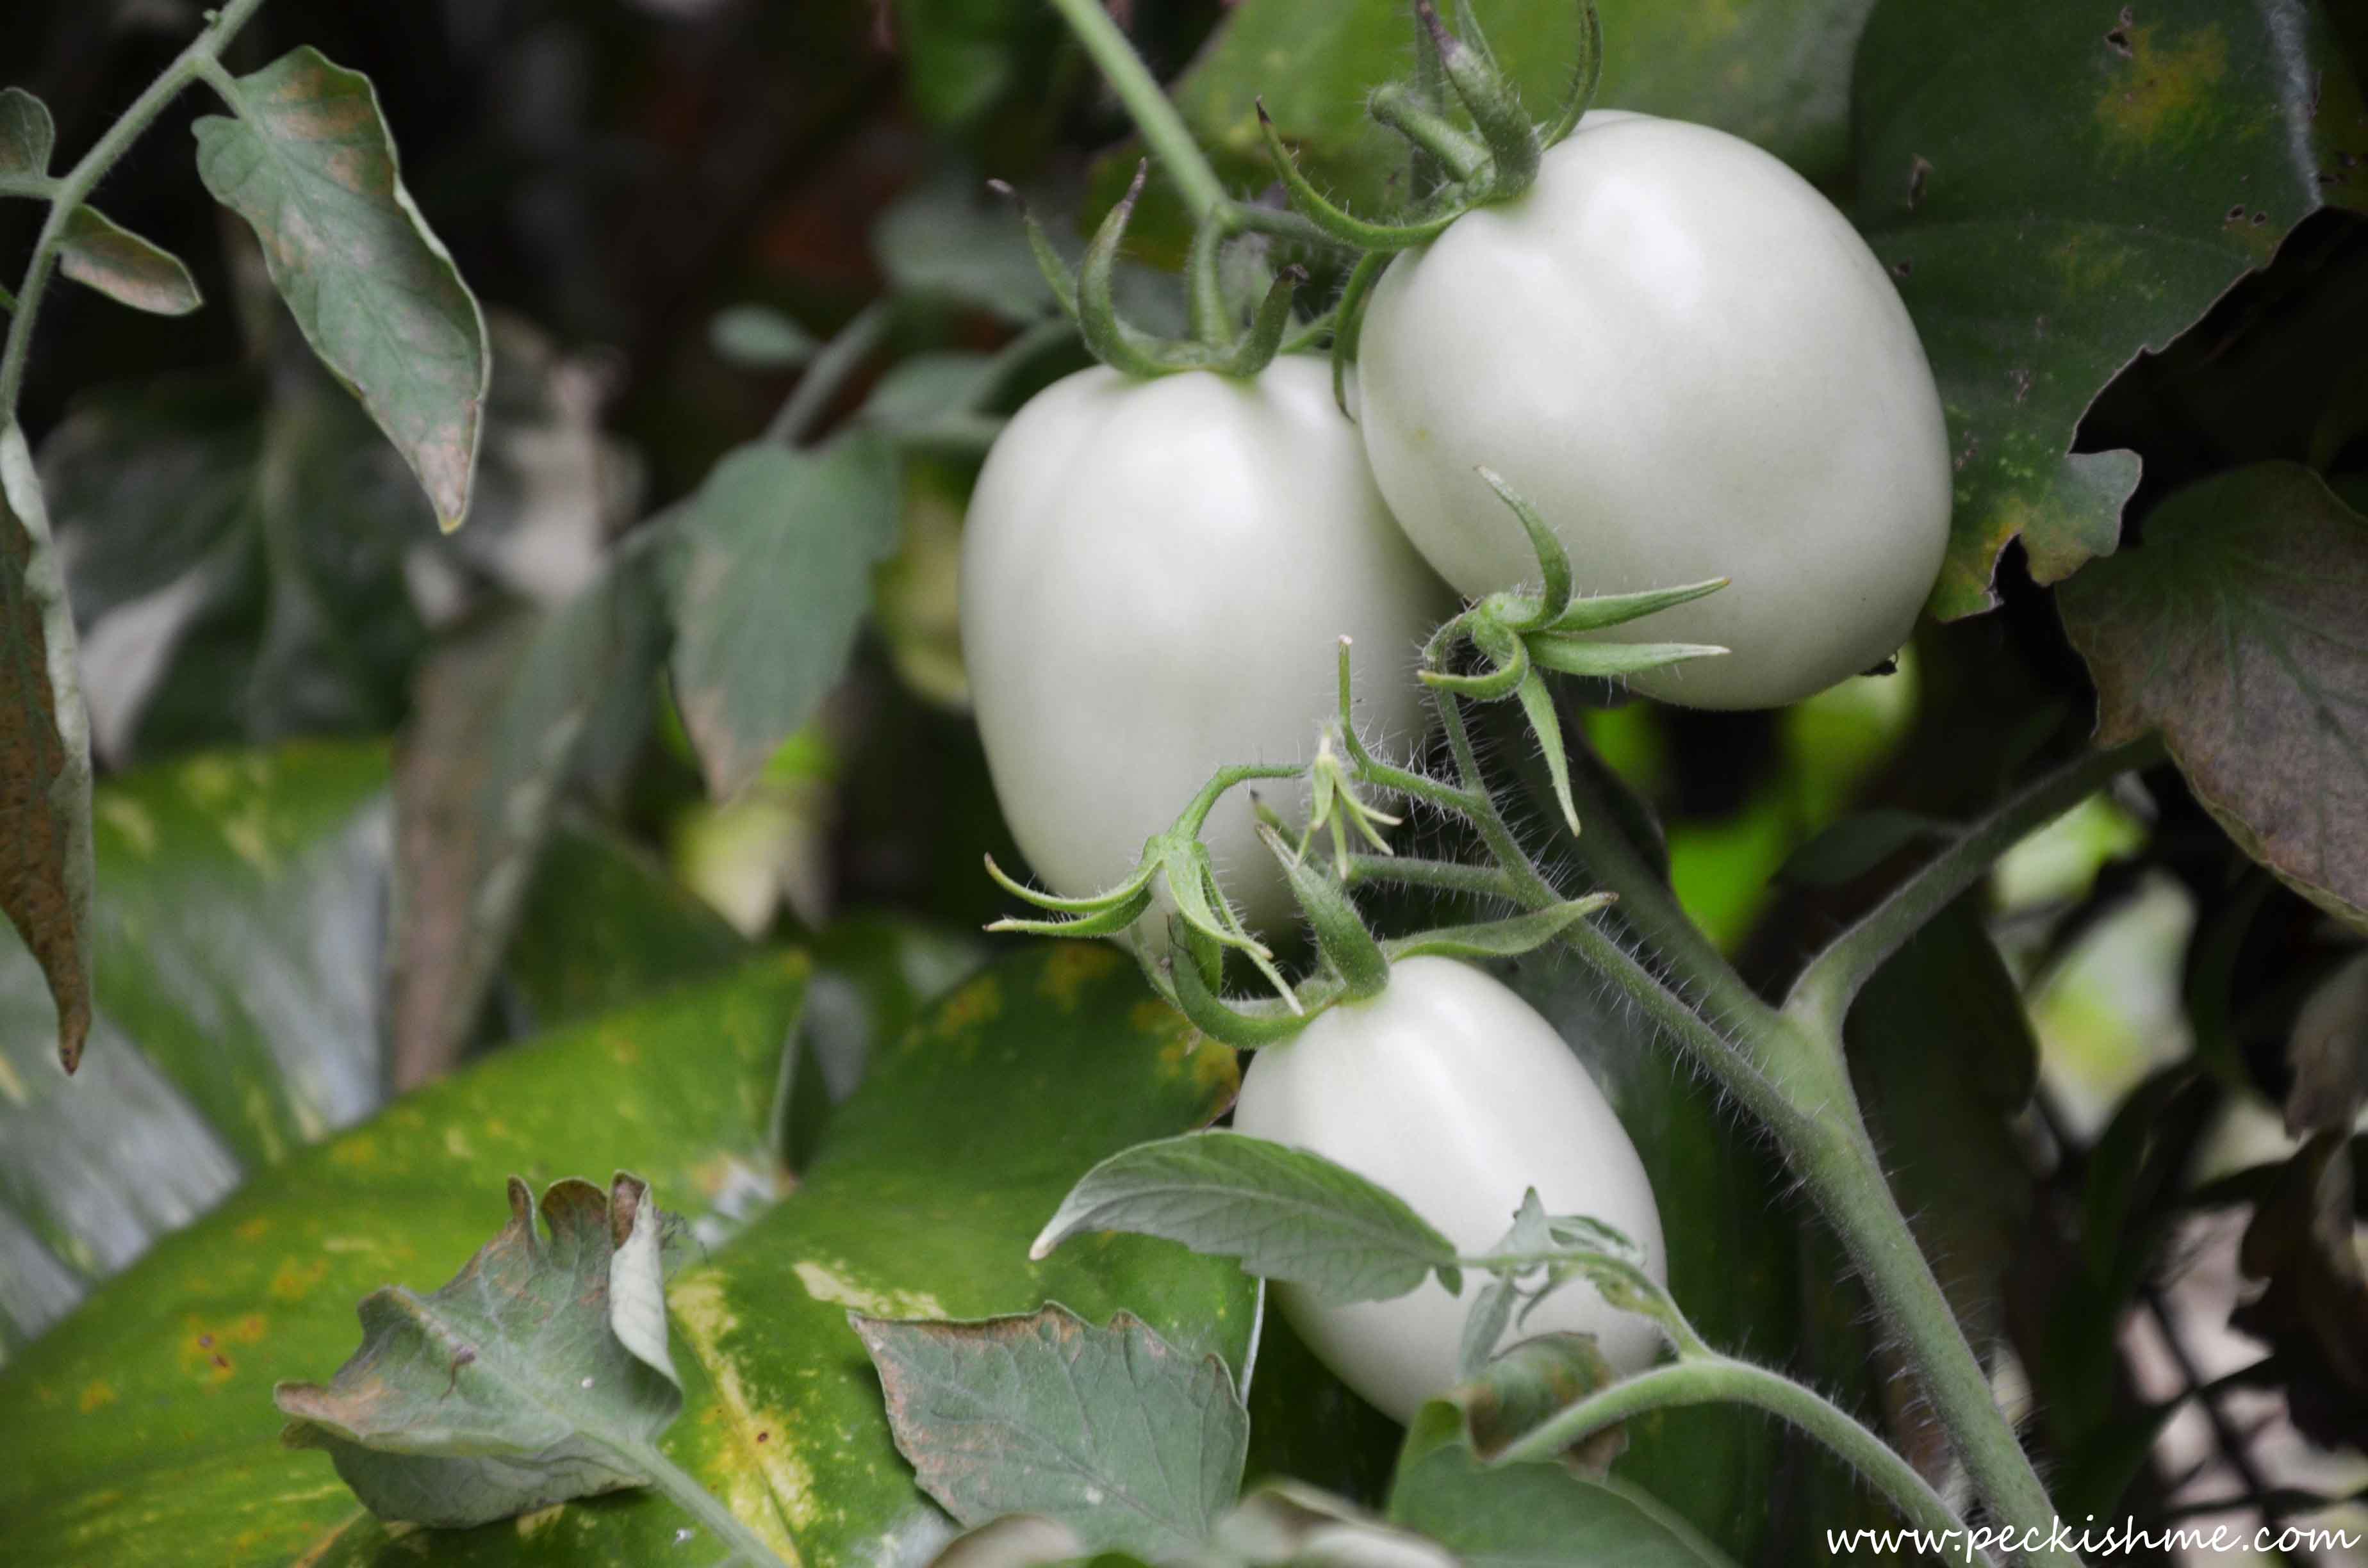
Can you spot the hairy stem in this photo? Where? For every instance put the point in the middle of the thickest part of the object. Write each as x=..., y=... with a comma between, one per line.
x=1720, y=1381
x=1163, y=128
x=828, y=375
x=1825, y=989
x=1837, y=1164
x=69, y=192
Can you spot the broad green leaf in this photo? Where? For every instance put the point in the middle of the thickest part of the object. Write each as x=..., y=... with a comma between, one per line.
x=2055, y=189
x=98, y=253
x=768, y=576
x=1108, y=1431
x=27, y=138
x=242, y=551
x=925, y=388
x=1942, y=1054
x=1286, y=1214
x=950, y=241
x=498, y=723
x=604, y=924
x=1019, y=1082
x=236, y=923
x=1776, y=71
x=962, y=57
x=2234, y=629
x=538, y=1375
x=757, y=337
x=1858, y=844
x=45, y=848
x=1529, y=1515
x=167, y=1373
x=309, y=163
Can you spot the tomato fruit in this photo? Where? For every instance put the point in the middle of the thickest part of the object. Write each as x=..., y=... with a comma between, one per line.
x=1155, y=577
x=1454, y=1092
x=1693, y=366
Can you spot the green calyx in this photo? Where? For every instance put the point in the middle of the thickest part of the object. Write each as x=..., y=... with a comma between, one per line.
x=1221, y=340
x=1455, y=168
x=1520, y=634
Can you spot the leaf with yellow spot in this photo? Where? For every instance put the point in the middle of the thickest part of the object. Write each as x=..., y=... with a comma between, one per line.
x=2054, y=190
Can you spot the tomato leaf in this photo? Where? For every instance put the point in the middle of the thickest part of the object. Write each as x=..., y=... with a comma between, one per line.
x=45, y=843
x=1017, y=1082
x=1527, y=1516
x=1284, y=1213
x=1776, y=71
x=2234, y=629
x=98, y=253
x=948, y=241
x=235, y=921
x=309, y=163
x=768, y=577
x=2054, y=191
x=27, y=138
x=500, y=722
x=538, y=1375
x=1109, y=1431
x=757, y=337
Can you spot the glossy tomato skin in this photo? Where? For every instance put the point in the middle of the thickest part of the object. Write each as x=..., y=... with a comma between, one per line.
x=1154, y=578
x=1693, y=365
x=1454, y=1094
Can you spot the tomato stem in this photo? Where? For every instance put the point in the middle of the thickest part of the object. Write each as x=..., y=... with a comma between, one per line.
x=1164, y=131
x=1722, y=1380
x=1824, y=990
x=67, y=193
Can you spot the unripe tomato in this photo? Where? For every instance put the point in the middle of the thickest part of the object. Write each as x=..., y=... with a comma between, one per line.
x=1454, y=1092
x=1693, y=366
x=1154, y=578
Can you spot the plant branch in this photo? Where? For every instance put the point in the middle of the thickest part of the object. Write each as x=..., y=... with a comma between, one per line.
x=1825, y=989
x=1163, y=128
x=1720, y=1380
x=70, y=190
x=1836, y=1161
x=827, y=375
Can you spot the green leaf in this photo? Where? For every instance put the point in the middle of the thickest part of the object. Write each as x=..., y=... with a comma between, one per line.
x=1019, y=1082
x=1513, y=1394
x=309, y=163
x=1943, y=1058
x=962, y=57
x=2054, y=190
x=2234, y=629
x=1775, y=72
x=27, y=138
x=757, y=337
x=167, y=1371
x=240, y=548
x=236, y=924
x=45, y=846
x=499, y=721
x=535, y=1377
x=769, y=576
x=1286, y=1214
x=1106, y=1430
x=950, y=241
x=98, y=253
x=604, y=924
x=1528, y=1516
x=1858, y=844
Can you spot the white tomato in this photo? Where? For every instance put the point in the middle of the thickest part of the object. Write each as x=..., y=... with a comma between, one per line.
x=1154, y=578
x=1693, y=366
x=1454, y=1092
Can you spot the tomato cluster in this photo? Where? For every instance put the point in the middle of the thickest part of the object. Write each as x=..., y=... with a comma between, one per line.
x=1691, y=366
